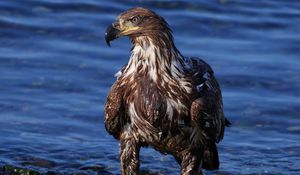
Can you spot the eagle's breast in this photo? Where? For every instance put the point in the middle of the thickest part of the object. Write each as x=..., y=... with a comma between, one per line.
x=154, y=110
x=157, y=93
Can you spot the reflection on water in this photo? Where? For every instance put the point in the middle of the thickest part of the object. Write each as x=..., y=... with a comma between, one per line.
x=56, y=71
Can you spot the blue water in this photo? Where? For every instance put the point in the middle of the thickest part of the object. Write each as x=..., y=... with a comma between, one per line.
x=55, y=73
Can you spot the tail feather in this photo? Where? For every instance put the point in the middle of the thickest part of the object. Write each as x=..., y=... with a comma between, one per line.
x=227, y=122
x=210, y=157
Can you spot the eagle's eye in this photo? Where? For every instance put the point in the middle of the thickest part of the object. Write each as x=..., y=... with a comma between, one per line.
x=135, y=19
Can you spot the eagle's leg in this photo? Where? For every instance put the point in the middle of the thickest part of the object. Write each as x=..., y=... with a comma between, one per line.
x=190, y=162
x=129, y=155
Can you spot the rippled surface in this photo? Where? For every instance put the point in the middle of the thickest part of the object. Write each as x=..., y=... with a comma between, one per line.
x=55, y=72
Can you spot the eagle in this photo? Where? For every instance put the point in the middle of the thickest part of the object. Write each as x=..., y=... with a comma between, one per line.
x=162, y=99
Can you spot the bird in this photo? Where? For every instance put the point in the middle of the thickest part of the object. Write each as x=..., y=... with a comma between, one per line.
x=161, y=99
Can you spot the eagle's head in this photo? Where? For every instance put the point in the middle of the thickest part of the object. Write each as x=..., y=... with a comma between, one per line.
x=137, y=22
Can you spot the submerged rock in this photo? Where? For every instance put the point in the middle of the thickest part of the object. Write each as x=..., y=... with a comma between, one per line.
x=9, y=170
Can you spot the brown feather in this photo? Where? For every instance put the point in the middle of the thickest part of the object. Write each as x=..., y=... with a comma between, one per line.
x=164, y=100
x=114, y=119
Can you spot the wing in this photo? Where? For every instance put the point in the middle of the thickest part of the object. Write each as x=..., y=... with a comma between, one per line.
x=114, y=115
x=207, y=109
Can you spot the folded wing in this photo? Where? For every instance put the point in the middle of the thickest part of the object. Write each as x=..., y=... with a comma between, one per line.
x=207, y=110
x=114, y=115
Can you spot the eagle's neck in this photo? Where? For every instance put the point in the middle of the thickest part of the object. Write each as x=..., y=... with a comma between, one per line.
x=156, y=57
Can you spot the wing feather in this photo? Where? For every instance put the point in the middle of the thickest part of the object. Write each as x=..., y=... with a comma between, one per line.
x=114, y=115
x=207, y=109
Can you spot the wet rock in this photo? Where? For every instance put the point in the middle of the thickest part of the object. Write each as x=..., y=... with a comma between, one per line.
x=40, y=163
x=9, y=169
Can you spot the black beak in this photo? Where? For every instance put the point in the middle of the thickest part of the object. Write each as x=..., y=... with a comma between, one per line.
x=111, y=34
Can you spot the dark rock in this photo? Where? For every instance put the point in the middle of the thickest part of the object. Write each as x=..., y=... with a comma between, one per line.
x=13, y=170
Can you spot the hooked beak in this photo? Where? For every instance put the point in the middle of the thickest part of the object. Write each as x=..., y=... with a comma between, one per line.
x=111, y=34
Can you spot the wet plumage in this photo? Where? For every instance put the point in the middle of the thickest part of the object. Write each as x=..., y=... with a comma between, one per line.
x=162, y=99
